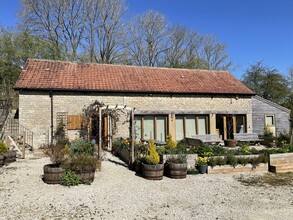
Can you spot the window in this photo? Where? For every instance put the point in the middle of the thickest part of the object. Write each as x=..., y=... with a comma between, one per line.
x=240, y=124
x=270, y=120
x=189, y=125
x=150, y=126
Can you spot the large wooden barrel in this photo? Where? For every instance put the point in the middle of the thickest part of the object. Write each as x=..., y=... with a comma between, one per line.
x=1, y=160
x=86, y=175
x=153, y=172
x=52, y=174
x=176, y=170
x=10, y=157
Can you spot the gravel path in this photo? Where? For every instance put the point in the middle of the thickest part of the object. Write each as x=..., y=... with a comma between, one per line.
x=117, y=193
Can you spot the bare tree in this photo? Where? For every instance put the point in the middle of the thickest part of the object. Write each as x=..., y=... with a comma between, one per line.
x=147, y=39
x=104, y=31
x=71, y=26
x=178, y=43
x=214, y=54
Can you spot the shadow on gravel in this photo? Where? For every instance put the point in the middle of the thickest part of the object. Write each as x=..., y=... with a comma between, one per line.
x=118, y=163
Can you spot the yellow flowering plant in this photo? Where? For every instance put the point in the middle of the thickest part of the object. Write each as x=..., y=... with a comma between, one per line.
x=201, y=161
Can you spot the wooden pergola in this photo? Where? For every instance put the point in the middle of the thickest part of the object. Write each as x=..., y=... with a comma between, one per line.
x=125, y=108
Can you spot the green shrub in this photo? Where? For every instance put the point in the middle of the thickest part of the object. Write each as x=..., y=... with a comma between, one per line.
x=81, y=162
x=81, y=146
x=181, y=147
x=170, y=143
x=243, y=160
x=152, y=156
x=219, y=151
x=231, y=160
x=283, y=138
x=254, y=151
x=212, y=161
x=221, y=161
x=3, y=148
x=69, y=178
x=245, y=149
x=202, y=150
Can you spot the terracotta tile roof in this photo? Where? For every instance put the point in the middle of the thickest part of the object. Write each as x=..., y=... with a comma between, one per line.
x=58, y=75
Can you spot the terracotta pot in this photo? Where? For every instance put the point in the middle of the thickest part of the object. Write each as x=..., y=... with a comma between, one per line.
x=230, y=143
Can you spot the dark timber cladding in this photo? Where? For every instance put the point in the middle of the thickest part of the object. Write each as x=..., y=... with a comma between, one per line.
x=262, y=108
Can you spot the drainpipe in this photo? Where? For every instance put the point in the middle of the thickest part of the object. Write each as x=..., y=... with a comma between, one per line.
x=52, y=126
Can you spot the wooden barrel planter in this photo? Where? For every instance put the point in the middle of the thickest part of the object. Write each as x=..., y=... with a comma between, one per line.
x=153, y=172
x=176, y=170
x=1, y=160
x=10, y=157
x=52, y=174
x=137, y=166
x=86, y=175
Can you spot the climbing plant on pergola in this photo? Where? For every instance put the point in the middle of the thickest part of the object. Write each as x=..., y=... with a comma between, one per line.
x=98, y=110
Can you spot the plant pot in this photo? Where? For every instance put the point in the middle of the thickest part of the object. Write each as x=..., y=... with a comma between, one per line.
x=153, y=172
x=9, y=157
x=176, y=170
x=52, y=174
x=1, y=160
x=202, y=169
x=230, y=143
x=86, y=175
x=137, y=166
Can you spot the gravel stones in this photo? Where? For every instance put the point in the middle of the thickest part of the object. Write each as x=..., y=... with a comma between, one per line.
x=118, y=193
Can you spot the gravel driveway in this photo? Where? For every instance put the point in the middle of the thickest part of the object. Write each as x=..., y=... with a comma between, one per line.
x=117, y=193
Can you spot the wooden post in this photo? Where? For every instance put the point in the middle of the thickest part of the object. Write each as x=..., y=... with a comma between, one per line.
x=225, y=127
x=23, y=145
x=132, y=139
x=100, y=133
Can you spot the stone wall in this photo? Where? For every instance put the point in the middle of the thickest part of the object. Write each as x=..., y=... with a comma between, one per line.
x=35, y=108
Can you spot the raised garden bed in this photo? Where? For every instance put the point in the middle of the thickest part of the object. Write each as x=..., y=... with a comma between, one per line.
x=248, y=168
x=191, y=158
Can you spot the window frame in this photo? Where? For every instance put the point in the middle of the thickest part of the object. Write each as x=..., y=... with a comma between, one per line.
x=196, y=116
x=141, y=118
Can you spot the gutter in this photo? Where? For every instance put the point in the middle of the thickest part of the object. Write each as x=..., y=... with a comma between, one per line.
x=52, y=114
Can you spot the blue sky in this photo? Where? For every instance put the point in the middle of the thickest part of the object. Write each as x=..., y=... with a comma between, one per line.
x=254, y=30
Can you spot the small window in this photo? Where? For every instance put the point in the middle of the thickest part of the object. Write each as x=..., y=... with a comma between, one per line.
x=270, y=120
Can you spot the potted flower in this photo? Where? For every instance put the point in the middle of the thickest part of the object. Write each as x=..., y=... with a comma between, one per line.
x=151, y=169
x=176, y=166
x=202, y=164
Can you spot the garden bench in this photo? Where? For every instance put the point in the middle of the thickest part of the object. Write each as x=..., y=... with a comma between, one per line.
x=281, y=163
x=246, y=137
x=208, y=138
x=194, y=142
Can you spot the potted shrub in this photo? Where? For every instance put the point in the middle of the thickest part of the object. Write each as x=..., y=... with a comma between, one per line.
x=202, y=164
x=83, y=165
x=268, y=137
x=176, y=166
x=58, y=154
x=82, y=160
x=151, y=169
x=3, y=151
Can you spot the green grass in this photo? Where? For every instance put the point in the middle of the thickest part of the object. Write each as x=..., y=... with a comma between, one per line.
x=269, y=179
